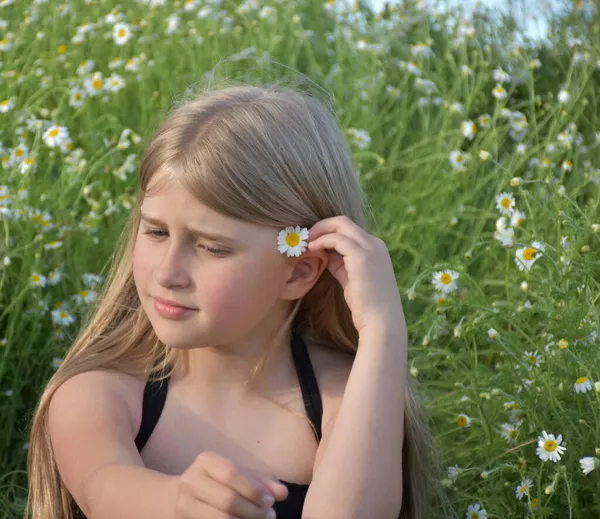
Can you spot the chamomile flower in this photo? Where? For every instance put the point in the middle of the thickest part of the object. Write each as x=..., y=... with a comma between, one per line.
x=517, y=218
x=56, y=136
x=38, y=280
x=7, y=105
x=292, y=240
x=458, y=159
x=498, y=92
x=509, y=432
x=582, y=384
x=534, y=357
x=76, y=98
x=550, y=448
x=523, y=488
x=94, y=84
x=476, y=512
x=526, y=257
x=61, y=317
x=469, y=129
x=588, y=464
x=121, y=33
x=504, y=234
x=445, y=280
x=564, y=96
x=114, y=83
x=505, y=203
x=463, y=420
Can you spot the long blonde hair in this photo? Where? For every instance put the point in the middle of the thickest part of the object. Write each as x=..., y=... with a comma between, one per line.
x=265, y=154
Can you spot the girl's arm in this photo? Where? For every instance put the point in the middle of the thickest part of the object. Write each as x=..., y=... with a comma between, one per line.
x=359, y=470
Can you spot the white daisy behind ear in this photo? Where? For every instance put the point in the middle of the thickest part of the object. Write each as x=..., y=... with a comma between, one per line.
x=292, y=240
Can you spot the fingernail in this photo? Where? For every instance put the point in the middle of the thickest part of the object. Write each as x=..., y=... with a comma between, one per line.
x=270, y=514
x=268, y=500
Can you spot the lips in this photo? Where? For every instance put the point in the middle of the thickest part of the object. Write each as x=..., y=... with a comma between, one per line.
x=172, y=303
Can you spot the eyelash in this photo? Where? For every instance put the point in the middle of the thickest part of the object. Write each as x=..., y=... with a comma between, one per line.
x=156, y=233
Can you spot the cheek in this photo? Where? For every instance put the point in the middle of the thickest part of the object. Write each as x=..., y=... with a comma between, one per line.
x=140, y=267
x=241, y=292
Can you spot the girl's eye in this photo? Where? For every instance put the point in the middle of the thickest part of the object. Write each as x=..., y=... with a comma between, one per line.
x=158, y=233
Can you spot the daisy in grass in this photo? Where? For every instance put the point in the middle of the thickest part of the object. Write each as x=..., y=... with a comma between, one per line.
x=38, y=280
x=499, y=93
x=476, y=512
x=62, y=318
x=582, y=385
x=509, y=432
x=445, y=280
x=523, y=488
x=550, y=448
x=588, y=464
x=121, y=33
x=505, y=203
x=503, y=233
x=56, y=136
x=463, y=421
x=526, y=257
x=534, y=357
x=292, y=240
x=458, y=160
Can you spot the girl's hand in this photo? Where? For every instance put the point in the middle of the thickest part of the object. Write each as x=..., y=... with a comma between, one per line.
x=212, y=487
x=362, y=264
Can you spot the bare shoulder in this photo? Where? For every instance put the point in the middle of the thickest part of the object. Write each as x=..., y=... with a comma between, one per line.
x=90, y=426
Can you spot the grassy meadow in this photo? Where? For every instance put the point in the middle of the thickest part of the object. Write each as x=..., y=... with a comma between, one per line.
x=479, y=150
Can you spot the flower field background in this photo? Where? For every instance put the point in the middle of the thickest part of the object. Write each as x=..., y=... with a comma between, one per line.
x=480, y=153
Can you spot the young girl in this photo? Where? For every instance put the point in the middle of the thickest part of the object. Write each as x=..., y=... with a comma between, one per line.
x=247, y=258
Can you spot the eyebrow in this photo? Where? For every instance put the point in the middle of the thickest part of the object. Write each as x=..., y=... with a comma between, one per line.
x=197, y=232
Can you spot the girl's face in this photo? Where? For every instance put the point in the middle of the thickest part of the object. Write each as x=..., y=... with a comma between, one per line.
x=232, y=282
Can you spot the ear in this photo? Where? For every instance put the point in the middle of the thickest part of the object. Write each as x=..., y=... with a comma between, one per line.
x=305, y=271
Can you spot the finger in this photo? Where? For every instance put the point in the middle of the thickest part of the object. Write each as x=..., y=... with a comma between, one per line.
x=224, y=498
x=341, y=224
x=239, y=480
x=219, y=505
x=341, y=243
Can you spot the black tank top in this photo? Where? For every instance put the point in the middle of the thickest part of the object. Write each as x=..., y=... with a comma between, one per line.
x=155, y=394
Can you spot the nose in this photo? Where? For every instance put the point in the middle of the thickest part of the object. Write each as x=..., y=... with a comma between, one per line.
x=171, y=270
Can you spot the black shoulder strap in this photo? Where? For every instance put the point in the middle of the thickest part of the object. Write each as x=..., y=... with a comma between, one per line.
x=155, y=394
x=308, y=383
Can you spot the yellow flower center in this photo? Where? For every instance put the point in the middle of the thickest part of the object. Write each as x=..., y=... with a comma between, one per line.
x=19, y=152
x=446, y=278
x=63, y=315
x=97, y=84
x=505, y=203
x=474, y=515
x=550, y=445
x=459, y=158
x=292, y=239
x=581, y=380
x=53, y=132
x=122, y=33
x=84, y=293
x=529, y=253
x=533, y=359
x=512, y=434
x=5, y=102
x=462, y=420
x=62, y=49
x=499, y=90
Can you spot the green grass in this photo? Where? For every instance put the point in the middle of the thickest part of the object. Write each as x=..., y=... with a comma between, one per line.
x=64, y=215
